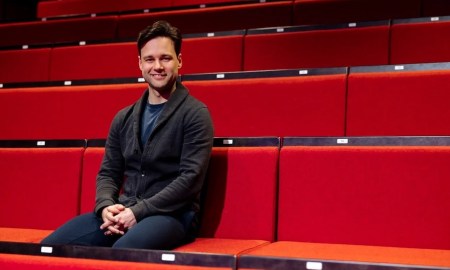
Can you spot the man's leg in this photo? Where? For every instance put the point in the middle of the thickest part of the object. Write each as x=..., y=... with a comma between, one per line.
x=154, y=232
x=83, y=230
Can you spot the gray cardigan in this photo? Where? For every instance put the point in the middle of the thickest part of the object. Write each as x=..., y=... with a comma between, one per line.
x=167, y=173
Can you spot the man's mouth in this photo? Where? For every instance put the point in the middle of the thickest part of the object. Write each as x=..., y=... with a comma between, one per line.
x=158, y=75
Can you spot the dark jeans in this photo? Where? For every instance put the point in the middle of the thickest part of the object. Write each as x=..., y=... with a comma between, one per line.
x=154, y=232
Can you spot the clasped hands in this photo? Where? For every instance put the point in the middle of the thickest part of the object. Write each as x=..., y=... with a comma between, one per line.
x=117, y=219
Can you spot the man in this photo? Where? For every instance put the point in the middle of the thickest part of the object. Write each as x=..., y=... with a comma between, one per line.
x=156, y=157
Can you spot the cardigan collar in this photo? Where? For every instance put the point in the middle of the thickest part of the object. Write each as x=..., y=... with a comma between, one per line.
x=174, y=101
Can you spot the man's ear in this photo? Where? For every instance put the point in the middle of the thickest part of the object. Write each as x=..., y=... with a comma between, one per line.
x=139, y=62
x=180, y=62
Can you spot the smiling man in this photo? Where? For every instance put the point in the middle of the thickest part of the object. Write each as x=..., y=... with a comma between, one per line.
x=156, y=157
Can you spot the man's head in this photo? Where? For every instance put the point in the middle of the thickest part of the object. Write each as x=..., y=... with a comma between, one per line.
x=159, y=48
x=160, y=29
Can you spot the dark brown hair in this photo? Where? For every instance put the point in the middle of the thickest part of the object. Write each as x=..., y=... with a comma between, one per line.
x=160, y=29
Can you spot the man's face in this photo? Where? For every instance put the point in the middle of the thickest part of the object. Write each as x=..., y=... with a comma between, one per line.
x=159, y=64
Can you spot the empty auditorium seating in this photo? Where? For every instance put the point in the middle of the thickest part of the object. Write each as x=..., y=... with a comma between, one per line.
x=99, y=61
x=314, y=47
x=212, y=52
x=421, y=40
x=58, y=31
x=64, y=8
x=40, y=183
x=402, y=100
x=213, y=19
x=365, y=191
x=30, y=65
x=345, y=11
x=64, y=112
x=274, y=103
x=347, y=201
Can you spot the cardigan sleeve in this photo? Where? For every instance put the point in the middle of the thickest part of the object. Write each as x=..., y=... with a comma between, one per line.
x=110, y=176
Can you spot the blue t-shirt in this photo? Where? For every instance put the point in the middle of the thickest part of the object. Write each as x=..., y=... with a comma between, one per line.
x=148, y=120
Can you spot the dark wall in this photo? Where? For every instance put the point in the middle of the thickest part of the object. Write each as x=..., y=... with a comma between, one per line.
x=18, y=10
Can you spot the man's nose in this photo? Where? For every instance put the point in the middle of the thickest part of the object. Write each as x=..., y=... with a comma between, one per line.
x=158, y=65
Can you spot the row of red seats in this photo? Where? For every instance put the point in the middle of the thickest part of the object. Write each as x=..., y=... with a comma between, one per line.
x=245, y=15
x=367, y=199
x=379, y=100
x=376, y=43
x=306, y=11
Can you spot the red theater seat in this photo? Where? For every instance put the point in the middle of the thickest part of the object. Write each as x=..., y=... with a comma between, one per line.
x=280, y=103
x=65, y=112
x=223, y=52
x=399, y=100
x=58, y=31
x=41, y=184
x=317, y=47
x=236, y=216
x=365, y=191
x=46, y=9
x=213, y=19
x=24, y=65
x=345, y=11
x=92, y=161
x=422, y=40
x=100, y=61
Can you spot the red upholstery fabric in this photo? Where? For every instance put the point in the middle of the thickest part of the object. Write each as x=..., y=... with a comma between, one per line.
x=343, y=11
x=24, y=65
x=222, y=53
x=24, y=262
x=420, y=42
x=94, y=62
x=355, y=253
x=182, y=3
x=398, y=103
x=54, y=31
x=230, y=185
x=234, y=208
x=386, y=196
x=288, y=106
x=317, y=48
x=71, y=112
x=92, y=160
x=23, y=235
x=214, y=19
x=40, y=186
x=78, y=7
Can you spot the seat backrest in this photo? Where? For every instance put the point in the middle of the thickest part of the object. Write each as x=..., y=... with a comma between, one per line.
x=30, y=65
x=285, y=103
x=240, y=198
x=223, y=51
x=41, y=183
x=94, y=62
x=317, y=47
x=404, y=100
x=308, y=12
x=421, y=40
x=64, y=112
x=365, y=191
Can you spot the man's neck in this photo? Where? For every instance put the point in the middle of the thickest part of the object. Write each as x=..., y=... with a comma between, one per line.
x=156, y=97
